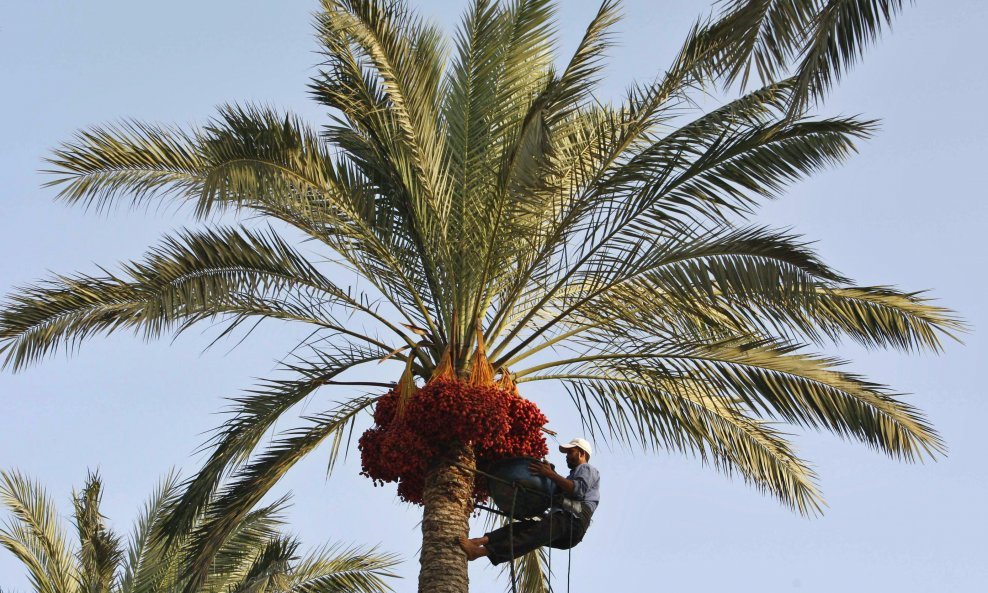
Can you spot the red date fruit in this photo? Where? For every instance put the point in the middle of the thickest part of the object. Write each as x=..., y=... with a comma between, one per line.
x=497, y=422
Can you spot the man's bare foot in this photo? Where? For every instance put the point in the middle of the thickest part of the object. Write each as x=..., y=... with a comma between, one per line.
x=473, y=549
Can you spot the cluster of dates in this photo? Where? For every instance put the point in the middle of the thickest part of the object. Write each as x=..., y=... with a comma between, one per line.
x=400, y=447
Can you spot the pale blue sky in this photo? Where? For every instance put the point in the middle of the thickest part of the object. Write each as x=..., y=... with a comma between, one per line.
x=909, y=211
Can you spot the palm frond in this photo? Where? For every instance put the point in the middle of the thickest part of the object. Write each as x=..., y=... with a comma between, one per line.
x=252, y=482
x=280, y=168
x=585, y=68
x=697, y=272
x=772, y=380
x=882, y=316
x=735, y=301
x=407, y=55
x=235, y=273
x=253, y=415
x=588, y=199
x=251, y=554
x=141, y=161
x=99, y=552
x=533, y=572
x=492, y=90
x=20, y=542
x=763, y=35
x=147, y=566
x=819, y=40
x=271, y=563
x=393, y=51
x=252, y=557
x=675, y=186
x=35, y=536
x=841, y=32
x=533, y=176
x=250, y=158
x=684, y=177
x=342, y=569
x=682, y=414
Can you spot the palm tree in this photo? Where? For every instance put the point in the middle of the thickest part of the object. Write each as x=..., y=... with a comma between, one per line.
x=605, y=247
x=253, y=558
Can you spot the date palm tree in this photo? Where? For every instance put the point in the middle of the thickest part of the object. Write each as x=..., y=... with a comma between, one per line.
x=254, y=557
x=606, y=247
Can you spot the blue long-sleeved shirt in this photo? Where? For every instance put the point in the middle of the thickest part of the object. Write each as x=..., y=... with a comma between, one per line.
x=586, y=485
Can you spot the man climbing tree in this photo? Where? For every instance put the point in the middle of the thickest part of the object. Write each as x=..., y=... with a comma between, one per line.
x=562, y=526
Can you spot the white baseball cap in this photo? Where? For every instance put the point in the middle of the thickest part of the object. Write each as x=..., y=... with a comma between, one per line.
x=578, y=443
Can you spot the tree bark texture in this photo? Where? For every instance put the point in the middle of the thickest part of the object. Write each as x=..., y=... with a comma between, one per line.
x=447, y=498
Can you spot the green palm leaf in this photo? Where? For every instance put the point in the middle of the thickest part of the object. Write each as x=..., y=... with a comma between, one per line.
x=683, y=414
x=254, y=414
x=236, y=273
x=339, y=569
x=533, y=572
x=35, y=537
x=696, y=272
x=669, y=182
x=253, y=556
x=883, y=316
x=256, y=159
x=252, y=552
x=818, y=40
x=147, y=566
x=99, y=549
x=252, y=482
x=771, y=379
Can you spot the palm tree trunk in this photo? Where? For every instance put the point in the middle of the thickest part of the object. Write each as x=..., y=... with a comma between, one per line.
x=447, y=496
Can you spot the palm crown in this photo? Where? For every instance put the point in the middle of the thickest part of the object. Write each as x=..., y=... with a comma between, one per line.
x=595, y=244
x=255, y=556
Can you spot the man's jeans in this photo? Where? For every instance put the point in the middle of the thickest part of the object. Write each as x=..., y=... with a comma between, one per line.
x=559, y=529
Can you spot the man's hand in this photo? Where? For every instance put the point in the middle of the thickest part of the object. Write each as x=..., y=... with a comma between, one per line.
x=547, y=470
x=541, y=468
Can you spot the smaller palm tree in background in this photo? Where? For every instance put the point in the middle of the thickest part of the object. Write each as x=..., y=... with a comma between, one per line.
x=254, y=558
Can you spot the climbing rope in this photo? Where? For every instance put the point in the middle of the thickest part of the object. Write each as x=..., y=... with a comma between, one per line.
x=548, y=568
x=511, y=537
x=569, y=557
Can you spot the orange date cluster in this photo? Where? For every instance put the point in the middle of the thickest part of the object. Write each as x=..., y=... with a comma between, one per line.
x=403, y=447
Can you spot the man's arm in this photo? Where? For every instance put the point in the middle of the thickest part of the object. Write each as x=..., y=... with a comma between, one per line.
x=545, y=470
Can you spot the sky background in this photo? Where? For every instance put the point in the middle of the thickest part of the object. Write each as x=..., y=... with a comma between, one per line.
x=909, y=211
